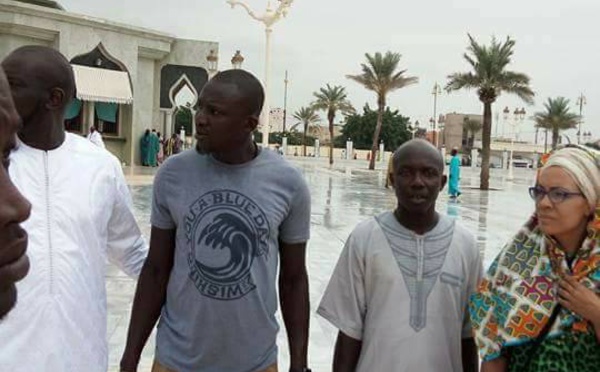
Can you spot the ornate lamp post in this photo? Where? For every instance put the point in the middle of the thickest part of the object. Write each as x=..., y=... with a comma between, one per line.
x=581, y=101
x=268, y=19
x=442, y=128
x=237, y=60
x=437, y=90
x=414, y=128
x=519, y=116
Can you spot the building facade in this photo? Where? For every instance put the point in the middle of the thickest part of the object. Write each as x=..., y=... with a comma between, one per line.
x=454, y=134
x=127, y=77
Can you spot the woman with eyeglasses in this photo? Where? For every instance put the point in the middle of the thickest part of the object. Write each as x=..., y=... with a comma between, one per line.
x=538, y=307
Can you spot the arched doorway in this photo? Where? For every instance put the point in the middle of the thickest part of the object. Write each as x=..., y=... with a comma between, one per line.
x=105, y=113
x=184, y=99
x=180, y=87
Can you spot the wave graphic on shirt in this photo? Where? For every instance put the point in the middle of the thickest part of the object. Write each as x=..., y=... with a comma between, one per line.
x=228, y=231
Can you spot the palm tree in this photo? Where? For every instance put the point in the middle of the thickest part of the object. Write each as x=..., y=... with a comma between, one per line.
x=490, y=77
x=472, y=127
x=556, y=118
x=381, y=75
x=331, y=100
x=307, y=117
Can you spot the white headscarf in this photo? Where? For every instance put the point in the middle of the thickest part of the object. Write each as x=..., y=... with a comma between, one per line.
x=582, y=164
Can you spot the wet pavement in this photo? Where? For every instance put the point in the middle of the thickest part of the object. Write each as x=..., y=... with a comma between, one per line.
x=342, y=196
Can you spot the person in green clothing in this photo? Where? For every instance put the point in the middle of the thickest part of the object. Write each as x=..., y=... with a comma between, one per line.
x=454, y=179
x=153, y=147
x=538, y=308
x=144, y=146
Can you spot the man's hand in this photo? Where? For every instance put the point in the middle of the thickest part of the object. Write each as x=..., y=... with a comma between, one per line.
x=293, y=298
x=346, y=354
x=150, y=295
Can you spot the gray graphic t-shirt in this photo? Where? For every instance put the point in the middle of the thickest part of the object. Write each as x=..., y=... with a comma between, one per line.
x=221, y=299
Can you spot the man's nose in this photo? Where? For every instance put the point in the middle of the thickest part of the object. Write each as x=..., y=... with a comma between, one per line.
x=14, y=208
x=200, y=118
x=418, y=180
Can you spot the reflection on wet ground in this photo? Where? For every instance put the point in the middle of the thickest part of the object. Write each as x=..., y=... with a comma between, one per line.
x=342, y=196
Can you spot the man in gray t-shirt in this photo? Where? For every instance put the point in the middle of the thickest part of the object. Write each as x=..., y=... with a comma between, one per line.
x=223, y=217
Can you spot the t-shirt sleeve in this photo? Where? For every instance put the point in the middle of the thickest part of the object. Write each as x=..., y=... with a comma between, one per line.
x=296, y=226
x=475, y=276
x=161, y=216
x=344, y=304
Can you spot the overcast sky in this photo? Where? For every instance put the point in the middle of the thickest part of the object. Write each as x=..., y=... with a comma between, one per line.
x=558, y=44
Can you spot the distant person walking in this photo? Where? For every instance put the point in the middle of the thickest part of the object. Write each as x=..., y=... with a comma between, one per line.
x=95, y=137
x=144, y=146
x=454, y=179
x=161, y=149
x=153, y=148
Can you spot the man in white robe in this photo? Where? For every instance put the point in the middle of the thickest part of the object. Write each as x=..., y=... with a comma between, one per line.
x=81, y=218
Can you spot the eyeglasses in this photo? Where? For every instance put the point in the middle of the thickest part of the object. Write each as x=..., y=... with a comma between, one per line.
x=556, y=196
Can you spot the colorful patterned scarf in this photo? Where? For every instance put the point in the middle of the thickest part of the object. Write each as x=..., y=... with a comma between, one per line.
x=516, y=297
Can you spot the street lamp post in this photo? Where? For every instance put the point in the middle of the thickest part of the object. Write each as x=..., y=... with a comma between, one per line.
x=437, y=90
x=442, y=128
x=413, y=129
x=519, y=116
x=285, y=95
x=268, y=19
x=581, y=101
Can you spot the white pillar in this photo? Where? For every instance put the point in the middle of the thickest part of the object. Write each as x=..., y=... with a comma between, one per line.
x=317, y=149
x=169, y=130
x=349, y=146
x=182, y=137
x=284, y=145
x=91, y=115
x=267, y=108
x=443, y=152
x=381, y=152
x=504, y=159
x=474, y=158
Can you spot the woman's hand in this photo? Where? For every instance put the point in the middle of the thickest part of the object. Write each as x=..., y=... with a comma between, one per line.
x=580, y=300
x=497, y=365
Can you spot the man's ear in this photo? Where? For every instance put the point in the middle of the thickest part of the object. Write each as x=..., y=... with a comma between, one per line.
x=252, y=123
x=57, y=99
x=444, y=181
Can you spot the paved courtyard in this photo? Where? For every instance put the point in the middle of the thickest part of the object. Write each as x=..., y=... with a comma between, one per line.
x=342, y=196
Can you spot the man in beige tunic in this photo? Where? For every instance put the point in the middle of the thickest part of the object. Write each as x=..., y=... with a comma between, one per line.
x=399, y=292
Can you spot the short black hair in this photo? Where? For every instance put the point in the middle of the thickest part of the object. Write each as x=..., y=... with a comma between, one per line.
x=54, y=69
x=248, y=85
x=454, y=152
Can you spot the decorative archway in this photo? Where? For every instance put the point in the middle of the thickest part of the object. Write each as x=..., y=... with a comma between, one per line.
x=173, y=79
x=99, y=57
x=105, y=116
x=182, y=116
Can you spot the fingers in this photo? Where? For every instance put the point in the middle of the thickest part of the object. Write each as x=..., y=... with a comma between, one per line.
x=571, y=281
x=565, y=295
x=566, y=304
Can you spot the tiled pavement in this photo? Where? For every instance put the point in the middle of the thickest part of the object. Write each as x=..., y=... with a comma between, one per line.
x=342, y=196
